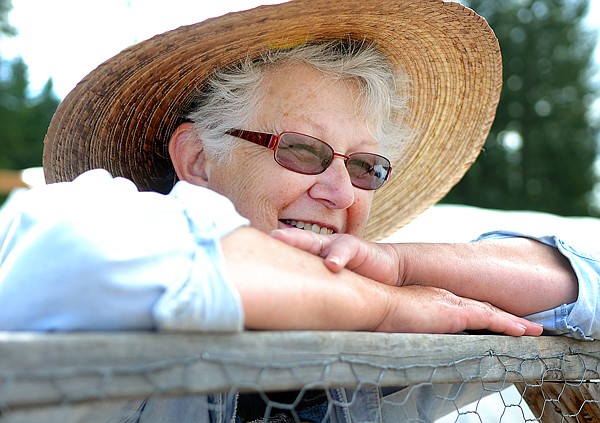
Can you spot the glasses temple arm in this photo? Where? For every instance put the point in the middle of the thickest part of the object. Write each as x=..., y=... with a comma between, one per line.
x=260, y=138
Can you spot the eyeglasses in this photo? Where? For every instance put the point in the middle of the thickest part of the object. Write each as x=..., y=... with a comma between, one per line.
x=310, y=156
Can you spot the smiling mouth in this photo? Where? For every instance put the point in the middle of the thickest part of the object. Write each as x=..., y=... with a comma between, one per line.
x=308, y=226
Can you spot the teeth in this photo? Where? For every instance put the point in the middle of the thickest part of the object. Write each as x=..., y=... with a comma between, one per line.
x=309, y=227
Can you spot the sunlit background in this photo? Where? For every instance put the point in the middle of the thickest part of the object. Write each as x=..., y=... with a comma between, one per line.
x=82, y=34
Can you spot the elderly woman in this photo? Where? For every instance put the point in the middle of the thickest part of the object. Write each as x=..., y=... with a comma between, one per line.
x=302, y=112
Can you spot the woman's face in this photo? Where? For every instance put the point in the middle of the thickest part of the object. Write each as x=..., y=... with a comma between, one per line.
x=300, y=99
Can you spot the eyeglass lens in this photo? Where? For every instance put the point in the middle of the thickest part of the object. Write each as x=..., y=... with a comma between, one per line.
x=311, y=156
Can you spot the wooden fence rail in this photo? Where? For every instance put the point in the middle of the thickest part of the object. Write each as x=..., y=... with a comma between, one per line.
x=44, y=369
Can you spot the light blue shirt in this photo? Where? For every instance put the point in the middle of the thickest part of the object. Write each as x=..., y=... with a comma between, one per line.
x=97, y=254
x=580, y=319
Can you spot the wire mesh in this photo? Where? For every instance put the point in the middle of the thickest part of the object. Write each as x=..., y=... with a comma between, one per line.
x=421, y=378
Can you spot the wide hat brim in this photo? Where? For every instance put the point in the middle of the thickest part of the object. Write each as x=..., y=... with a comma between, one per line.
x=121, y=115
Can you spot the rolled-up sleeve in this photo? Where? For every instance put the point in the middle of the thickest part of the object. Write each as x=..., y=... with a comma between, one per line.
x=97, y=254
x=578, y=319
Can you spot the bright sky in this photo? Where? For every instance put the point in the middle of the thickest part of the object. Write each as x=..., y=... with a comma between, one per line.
x=66, y=39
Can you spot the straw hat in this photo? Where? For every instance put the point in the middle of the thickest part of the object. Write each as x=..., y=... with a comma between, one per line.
x=122, y=114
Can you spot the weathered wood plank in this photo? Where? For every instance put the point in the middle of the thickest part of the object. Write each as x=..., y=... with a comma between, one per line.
x=54, y=368
x=554, y=402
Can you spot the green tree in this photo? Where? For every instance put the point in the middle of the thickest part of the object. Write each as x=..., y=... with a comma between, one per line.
x=23, y=118
x=5, y=27
x=543, y=144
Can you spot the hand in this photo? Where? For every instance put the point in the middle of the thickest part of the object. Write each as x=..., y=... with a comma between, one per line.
x=379, y=262
x=421, y=309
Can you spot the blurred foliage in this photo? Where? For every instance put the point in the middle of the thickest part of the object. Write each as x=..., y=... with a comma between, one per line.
x=541, y=151
x=24, y=117
x=5, y=27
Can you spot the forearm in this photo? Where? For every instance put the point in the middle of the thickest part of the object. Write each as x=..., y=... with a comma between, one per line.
x=283, y=288
x=519, y=275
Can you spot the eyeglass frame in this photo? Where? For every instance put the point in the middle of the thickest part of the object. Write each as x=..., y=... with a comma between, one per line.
x=271, y=141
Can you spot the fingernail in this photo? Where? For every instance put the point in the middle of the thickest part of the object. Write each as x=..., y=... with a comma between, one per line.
x=333, y=263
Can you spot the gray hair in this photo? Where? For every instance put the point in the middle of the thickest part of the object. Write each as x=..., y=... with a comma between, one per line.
x=231, y=96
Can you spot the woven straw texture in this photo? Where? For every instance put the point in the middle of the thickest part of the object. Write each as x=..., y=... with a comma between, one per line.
x=121, y=115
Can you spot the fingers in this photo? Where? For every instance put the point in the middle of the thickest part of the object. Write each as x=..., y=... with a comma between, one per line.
x=484, y=316
x=336, y=253
x=341, y=251
x=503, y=322
x=434, y=310
x=308, y=241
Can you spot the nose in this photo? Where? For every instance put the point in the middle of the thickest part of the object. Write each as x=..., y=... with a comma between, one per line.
x=333, y=187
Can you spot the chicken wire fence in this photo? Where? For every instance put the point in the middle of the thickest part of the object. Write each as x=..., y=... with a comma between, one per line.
x=445, y=378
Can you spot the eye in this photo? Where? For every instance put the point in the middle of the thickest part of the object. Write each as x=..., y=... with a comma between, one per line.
x=378, y=171
x=303, y=153
x=367, y=168
x=301, y=150
x=359, y=168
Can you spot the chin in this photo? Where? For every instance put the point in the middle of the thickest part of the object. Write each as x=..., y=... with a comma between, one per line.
x=263, y=227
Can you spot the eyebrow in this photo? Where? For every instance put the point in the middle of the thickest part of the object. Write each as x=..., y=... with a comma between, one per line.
x=318, y=128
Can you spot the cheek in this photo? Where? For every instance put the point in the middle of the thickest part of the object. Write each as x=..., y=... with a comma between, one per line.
x=258, y=193
x=358, y=214
x=237, y=179
x=248, y=199
x=276, y=188
x=273, y=192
